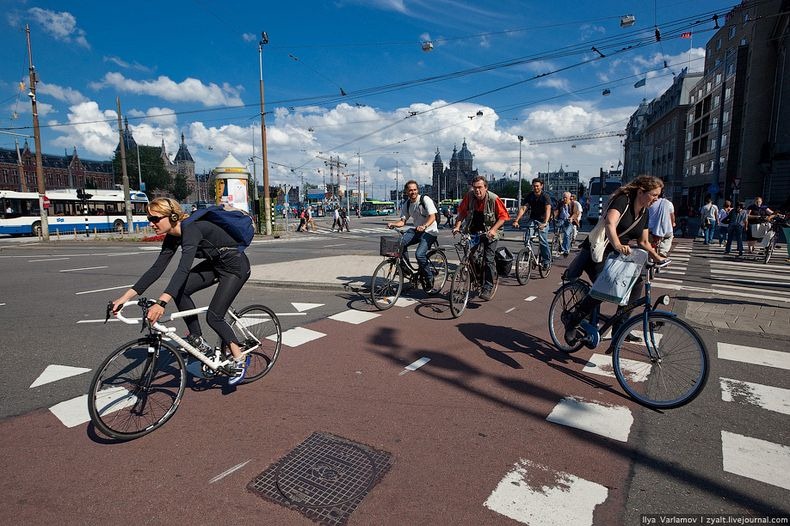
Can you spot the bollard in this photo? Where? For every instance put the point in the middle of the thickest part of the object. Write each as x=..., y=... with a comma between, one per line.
x=57, y=233
x=75, y=234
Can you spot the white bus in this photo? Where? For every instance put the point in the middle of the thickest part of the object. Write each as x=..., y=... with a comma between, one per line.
x=598, y=198
x=511, y=205
x=104, y=211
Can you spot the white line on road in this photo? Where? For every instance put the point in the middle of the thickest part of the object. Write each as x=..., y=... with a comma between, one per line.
x=755, y=355
x=40, y=260
x=103, y=290
x=606, y=420
x=511, y=309
x=531, y=298
x=83, y=268
x=229, y=471
x=756, y=459
x=535, y=494
x=765, y=396
x=415, y=365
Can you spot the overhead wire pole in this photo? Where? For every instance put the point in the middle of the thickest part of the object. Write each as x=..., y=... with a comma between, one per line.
x=126, y=198
x=267, y=213
x=520, y=140
x=37, y=138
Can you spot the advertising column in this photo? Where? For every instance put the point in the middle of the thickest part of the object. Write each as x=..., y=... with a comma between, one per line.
x=231, y=181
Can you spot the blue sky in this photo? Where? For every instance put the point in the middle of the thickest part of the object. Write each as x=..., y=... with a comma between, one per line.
x=347, y=78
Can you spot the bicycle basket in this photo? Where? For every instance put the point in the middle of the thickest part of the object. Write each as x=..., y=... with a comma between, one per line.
x=389, y=246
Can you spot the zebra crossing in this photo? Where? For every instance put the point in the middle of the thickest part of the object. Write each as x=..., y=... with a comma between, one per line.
x=705, y=268
x=749, y=455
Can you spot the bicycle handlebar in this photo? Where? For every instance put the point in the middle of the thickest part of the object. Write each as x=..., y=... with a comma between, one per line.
x=144, y=304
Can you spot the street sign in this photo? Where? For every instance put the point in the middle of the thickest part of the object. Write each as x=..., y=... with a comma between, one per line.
x=45, y=201
x=736, y=183
x=713, y=189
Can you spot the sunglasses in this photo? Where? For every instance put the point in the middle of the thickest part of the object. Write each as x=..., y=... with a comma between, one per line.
x=155, y=219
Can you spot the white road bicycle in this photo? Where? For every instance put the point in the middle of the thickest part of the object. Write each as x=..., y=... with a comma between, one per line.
x=138, y=386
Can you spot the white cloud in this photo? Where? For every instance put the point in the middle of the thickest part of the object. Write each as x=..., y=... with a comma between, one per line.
x=249, y=37
x=93, y=130
x=189, y=90
x=118, y=61
x=65, y=94
x=554, y=82
x=154, y=115
x=60, y=25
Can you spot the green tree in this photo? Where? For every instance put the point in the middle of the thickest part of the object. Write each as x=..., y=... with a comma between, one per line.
x=152, y=168
x=180, y=187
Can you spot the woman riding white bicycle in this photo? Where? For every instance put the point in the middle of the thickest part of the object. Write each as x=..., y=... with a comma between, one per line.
x=625, y=220
x=224, y=264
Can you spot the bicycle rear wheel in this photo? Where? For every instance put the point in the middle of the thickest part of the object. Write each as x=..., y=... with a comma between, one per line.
x=259, y=328
x=459, y=290
x=565, y=300
x=386, y=284
x=438, y=261
x=668, y=368
x=523, y=266
x=136, y=389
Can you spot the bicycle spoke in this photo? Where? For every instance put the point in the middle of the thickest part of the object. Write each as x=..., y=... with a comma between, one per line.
x=668, y=372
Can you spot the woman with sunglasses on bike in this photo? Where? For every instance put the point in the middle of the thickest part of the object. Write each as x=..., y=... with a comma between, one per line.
x=223, y=264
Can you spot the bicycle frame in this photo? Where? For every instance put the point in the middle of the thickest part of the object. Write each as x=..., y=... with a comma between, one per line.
x=159, y=330
x=645, y=302
x=467, y=250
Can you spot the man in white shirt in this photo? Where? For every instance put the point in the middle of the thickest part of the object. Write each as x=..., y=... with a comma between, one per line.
x=661, y=224
x=709, y=214
x=422, y=211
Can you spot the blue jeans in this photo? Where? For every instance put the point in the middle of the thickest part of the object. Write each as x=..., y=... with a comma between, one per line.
x=709, y=232
x=723, y=233
x=424, y=241
x=566, y=228
x=545, y=248
x=735, y=233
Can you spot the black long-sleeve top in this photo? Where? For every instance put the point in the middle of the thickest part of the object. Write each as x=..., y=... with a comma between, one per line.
x=199, y=239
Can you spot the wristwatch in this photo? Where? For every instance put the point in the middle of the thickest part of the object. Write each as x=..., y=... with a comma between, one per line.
x=161, y=303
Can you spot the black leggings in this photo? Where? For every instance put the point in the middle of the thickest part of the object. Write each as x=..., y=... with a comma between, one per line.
x=230, y=271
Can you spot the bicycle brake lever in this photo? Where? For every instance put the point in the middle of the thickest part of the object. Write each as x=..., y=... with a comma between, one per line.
x=109, y=311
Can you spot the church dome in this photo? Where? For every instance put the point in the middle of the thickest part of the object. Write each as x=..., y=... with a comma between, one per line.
x=464, y=154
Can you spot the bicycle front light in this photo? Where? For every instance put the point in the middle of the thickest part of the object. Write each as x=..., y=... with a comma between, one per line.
x=662, y=300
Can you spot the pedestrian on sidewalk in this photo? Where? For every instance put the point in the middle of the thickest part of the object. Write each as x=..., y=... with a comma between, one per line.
x=336, y=220
x=724, y=223
x=736, y=228
x=661, y=224
x=302, y=221
x=709, y=214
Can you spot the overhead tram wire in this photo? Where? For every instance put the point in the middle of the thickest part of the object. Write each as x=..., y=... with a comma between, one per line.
x=378, y=90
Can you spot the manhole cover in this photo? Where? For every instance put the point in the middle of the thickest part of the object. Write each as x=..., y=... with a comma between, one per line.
x=325, y=477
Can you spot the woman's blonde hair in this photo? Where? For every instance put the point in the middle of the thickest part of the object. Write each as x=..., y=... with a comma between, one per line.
x=645, y=183
x=168, y=208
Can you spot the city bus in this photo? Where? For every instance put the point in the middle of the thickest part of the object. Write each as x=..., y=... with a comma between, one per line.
x=511, y=205
x=377, y=208
x=104, y=211
x=598, y=198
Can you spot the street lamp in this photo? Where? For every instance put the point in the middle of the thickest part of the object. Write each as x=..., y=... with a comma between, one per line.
x=520, y=140
x=267, y=213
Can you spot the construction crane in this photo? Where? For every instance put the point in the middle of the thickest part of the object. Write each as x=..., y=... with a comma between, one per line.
x=582, y=137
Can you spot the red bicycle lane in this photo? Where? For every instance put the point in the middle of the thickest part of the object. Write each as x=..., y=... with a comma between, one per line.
x=462, y=430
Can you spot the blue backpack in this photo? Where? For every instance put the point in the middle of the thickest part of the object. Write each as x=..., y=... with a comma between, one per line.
x=237, y=223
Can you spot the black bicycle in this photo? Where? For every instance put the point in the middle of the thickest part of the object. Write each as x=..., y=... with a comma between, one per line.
x=386, y=284
x=469, y=276
x=658, y=359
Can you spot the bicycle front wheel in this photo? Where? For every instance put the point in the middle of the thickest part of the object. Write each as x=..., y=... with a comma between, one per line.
x=523, y=266
x=459, y=290
x=258, y=328
x=438, y=261
x=769, y=250
x=565, y=300
x=136, y=389
x=663, y=367
x=386, y=284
